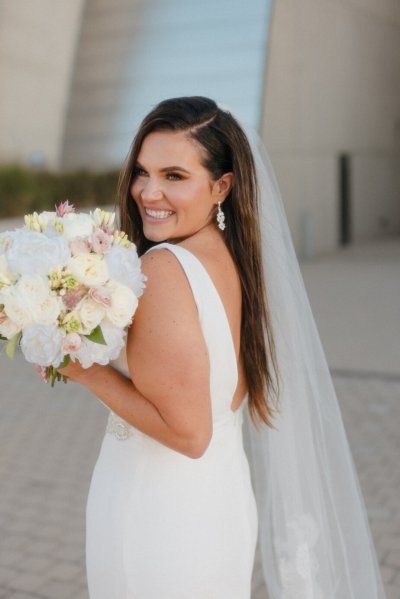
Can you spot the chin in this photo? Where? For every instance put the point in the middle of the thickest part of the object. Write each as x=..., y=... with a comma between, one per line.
x=155, y=236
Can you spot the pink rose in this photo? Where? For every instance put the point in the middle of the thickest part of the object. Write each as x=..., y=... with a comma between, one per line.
x=101, y=242
x=71, y=343
x=101, y=295
x=80, y=245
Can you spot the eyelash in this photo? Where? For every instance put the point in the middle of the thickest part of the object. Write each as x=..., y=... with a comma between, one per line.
x=139, y=171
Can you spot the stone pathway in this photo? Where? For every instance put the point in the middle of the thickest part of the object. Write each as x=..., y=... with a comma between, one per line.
x=50, y=438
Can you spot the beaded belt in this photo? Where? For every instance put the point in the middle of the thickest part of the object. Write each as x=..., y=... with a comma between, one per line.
x=119, y=427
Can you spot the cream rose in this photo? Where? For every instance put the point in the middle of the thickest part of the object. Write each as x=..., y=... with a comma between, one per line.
x=90, y=314
x=89, y=269
x=123, y=305
x=30, y=301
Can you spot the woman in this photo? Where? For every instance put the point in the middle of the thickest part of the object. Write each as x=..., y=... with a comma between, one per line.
x=171, y=511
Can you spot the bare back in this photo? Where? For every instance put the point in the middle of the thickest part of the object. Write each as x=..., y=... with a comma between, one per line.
x=217, y=260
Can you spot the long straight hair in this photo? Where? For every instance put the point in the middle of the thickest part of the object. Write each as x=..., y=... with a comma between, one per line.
x=225, y=149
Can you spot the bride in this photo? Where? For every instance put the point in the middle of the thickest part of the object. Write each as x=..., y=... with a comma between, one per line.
x=224, y=455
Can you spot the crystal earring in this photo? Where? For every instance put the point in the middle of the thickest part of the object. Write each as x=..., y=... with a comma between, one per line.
x=220, y=217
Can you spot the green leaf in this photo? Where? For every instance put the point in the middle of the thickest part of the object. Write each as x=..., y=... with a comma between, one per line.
x=3, y=338
x=65, y=362
x=96, y=336
x=12, y=344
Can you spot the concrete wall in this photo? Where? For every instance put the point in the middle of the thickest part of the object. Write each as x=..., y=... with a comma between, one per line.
x=37, y=43
x=333, y=86
x=134, y=53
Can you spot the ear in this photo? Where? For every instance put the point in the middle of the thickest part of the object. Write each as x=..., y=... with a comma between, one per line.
x=222, y=186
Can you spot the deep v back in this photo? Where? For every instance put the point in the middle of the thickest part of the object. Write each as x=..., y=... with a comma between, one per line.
x=216, y=330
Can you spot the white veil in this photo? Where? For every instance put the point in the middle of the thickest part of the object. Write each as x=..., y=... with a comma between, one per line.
x=314, y=536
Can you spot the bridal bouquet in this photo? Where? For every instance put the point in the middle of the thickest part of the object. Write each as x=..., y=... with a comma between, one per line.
x=69, y=287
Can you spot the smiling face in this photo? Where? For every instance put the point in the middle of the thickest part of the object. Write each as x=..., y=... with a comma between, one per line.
x=173, y=191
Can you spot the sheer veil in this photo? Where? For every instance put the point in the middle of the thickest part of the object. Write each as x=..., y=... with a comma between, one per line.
x=314, y=537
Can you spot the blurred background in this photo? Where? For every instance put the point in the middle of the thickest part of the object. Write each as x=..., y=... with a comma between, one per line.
x=320, y=81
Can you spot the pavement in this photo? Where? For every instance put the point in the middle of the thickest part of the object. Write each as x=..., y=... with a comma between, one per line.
x=50, y=438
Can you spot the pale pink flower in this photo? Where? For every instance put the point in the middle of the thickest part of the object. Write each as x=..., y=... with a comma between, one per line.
x=109, y=229
x=101, y=242
x=80, y=245
x=71, y=343
x=64, y=208
x=42, y=372
x=74, y=296
x=101, y=295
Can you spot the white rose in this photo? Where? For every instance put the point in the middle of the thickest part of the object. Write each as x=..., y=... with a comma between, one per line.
x=6, y=276
x=123, y=305
x=77, y=225
x=124, y=266
x=89, y=269
x=42, y=345
x=90, y=352
x=90, y=314
x=33, y=252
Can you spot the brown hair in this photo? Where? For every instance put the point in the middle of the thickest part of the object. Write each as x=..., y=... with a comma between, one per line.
x=226, y=149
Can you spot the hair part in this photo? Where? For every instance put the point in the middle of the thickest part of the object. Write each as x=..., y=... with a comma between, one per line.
x=224, y=148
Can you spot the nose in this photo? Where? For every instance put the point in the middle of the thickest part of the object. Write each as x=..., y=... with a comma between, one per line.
x=151, y=191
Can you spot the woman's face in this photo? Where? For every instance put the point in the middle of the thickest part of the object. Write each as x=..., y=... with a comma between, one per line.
x=174, y=193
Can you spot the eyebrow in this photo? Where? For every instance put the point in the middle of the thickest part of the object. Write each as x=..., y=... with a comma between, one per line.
x=166, y=168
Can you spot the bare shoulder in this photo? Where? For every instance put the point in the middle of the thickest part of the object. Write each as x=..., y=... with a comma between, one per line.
x=166, y=278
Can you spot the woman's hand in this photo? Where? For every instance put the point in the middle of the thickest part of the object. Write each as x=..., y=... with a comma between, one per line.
x=75, y=372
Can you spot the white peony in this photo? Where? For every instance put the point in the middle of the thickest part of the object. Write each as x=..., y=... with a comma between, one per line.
x=124, y=266
x=33, y=252
x=90, y=314
x=89, y=269
x=123, y=305
x=77, y=225
x=42, y=345
x=90, y=353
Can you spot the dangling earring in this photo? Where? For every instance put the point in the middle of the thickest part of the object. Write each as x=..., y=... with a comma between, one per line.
x=220, y=217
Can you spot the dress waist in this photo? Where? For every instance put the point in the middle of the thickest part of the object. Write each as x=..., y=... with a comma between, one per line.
x=122, y=430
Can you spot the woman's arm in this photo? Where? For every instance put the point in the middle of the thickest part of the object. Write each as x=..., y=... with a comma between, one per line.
x=168, y=397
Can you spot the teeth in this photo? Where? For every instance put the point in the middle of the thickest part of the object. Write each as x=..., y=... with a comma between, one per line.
x=158, y=213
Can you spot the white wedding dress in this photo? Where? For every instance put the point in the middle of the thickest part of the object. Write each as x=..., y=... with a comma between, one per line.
x=161, y=525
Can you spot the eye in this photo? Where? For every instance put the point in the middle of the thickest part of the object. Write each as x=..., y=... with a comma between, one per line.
x=174, y=176
x=137, y=172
